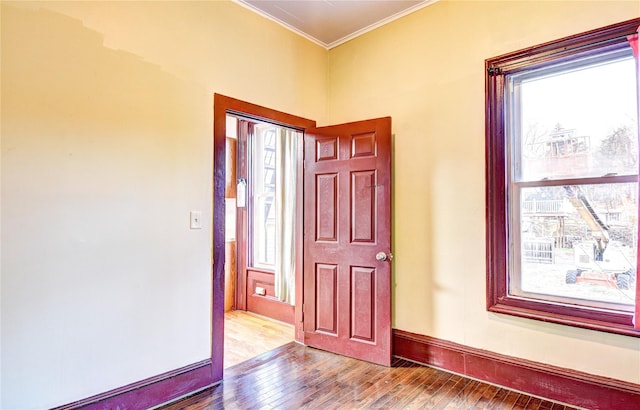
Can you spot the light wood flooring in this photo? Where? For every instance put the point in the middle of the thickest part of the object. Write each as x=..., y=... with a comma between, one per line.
x=293, y=376
x=247, y=335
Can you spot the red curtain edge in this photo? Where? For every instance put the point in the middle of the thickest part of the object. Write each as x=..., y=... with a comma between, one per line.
x=633, y=42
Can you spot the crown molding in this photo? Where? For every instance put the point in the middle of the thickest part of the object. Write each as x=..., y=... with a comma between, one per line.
x=358, y=33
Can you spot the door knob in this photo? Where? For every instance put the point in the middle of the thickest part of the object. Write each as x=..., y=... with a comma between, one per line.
x=381, y=256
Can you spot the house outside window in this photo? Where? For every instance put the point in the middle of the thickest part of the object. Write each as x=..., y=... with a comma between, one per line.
x=562, y=181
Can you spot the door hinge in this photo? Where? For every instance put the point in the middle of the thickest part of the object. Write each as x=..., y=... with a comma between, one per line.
x=302, y=320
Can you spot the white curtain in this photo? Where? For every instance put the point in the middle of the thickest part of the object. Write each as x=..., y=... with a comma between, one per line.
x=285, y=205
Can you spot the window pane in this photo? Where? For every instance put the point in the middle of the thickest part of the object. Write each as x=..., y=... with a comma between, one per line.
x=579, y=241
x=263, y=187
x=576, y=121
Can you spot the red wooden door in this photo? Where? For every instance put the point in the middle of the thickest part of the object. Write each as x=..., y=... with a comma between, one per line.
x=347, y=226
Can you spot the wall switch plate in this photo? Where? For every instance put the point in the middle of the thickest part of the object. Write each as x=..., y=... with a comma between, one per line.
x=195, y=220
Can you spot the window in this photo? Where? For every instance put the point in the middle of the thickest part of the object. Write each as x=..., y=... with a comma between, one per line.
x=562, y=181
x=263, y=187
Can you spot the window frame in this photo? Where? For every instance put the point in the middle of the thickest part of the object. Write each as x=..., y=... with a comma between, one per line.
x=256, y=143
x=499, y=300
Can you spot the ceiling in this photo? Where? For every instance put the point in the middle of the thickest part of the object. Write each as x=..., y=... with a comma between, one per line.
x=333, y=22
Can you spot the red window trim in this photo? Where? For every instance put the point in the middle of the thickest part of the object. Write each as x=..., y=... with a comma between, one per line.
x=498, y=299
x=633, y=41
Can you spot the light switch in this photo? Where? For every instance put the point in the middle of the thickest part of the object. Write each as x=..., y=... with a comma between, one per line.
x=195, y=220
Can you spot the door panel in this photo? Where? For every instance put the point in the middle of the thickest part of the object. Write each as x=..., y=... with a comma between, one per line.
x=363, y=303
x=327, y=204
x=347, y=291
x=326, y=286
x=363, y=217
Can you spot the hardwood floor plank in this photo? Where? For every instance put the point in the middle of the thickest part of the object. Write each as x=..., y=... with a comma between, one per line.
x=448, y=392
x=467, y=389
x=498, y=398
x=464, y=392
x=420, y=389
x=424, y=395
x=323, y=376
x=511, y=398
x=297, y=377
x=341, y=387
x=401, y=387
x=533, y=404
x=382, y=385
x=427, y=376
x=521, y=402
x=424, y=377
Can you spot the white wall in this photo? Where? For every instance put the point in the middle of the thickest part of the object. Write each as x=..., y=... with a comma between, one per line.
x=106, y=147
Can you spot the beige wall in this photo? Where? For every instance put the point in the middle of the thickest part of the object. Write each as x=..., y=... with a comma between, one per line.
x=426, y=70
x=106, y=147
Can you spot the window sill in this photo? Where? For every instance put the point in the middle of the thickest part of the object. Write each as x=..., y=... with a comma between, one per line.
x=592, y=319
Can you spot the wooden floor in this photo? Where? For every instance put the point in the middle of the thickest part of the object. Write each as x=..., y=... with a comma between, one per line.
x=247, y=335
x=296, y=377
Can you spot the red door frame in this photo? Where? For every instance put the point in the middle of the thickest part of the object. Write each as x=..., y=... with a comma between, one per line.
x=221, y=106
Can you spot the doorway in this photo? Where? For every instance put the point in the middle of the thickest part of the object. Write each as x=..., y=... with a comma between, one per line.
x=263, y=225
x=263, y=215
x=224, y=106
x=342, y=304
